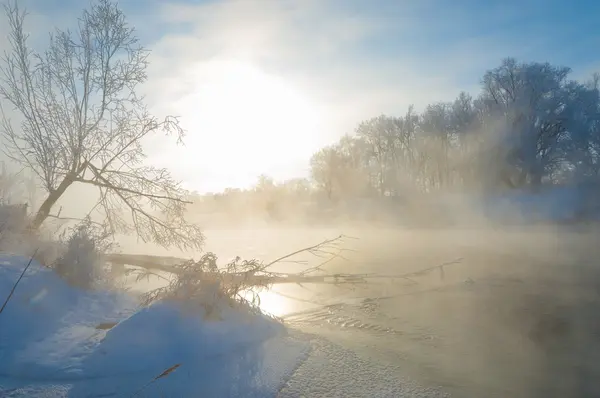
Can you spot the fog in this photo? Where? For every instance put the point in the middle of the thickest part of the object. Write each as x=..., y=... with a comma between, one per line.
x=469, y=225
x=512, y=314
x=514, y=318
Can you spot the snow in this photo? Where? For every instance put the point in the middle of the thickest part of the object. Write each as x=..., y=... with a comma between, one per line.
x=331, y=371
x=233, y=356
x=47, y=322
x=50, y=346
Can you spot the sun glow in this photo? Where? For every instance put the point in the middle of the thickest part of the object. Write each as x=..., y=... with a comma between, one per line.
x=244, y=122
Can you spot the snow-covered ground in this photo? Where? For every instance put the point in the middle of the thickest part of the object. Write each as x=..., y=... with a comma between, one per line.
x=54, y=342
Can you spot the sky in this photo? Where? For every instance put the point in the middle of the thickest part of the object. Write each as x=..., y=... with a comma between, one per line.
x=260, y=85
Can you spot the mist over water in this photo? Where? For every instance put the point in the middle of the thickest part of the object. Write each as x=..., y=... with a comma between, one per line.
x=514, y=316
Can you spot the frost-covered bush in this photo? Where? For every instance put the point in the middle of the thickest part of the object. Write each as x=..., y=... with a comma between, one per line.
x=238, y=283
x=82, y=263
x=203, y=283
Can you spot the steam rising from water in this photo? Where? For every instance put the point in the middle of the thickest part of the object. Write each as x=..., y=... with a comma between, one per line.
x=514, y=318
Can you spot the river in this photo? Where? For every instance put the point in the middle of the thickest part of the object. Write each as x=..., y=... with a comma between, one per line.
x=513, y=314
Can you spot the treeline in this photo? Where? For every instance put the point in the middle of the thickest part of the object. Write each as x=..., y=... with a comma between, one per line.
x=530, y=125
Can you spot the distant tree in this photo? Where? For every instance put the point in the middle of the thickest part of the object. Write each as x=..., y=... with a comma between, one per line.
x=436, y=136
x=354, y=176
x=529, y=125
x=530, y=98
x=325, y=168
x=84, y=122
x=265, y=184
x=297, y=188
x=379, y=134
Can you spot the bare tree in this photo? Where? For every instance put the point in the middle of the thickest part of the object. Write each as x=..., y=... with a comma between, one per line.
x=532, y=99
x=325, y=170
x=83, y=122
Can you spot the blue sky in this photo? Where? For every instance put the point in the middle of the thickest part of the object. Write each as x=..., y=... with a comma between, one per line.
x=352, y=59
x=458, y=38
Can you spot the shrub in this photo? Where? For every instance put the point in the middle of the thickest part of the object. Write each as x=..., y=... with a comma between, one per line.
x=82, y=263
x=203, y=283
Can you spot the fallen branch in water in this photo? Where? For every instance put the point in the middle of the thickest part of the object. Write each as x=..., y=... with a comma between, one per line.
x=241, y=281
x=371, y=276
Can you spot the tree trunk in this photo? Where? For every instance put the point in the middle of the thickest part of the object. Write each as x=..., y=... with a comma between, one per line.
x=44, y=210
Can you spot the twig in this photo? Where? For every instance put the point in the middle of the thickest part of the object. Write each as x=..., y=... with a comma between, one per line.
x=58, y=217
x=318, y=267
x=311, y=249
x=17, y=282
x=412, y=273
x=165, y=373
x=297, y=298
x=144, y=273
x=415, y=293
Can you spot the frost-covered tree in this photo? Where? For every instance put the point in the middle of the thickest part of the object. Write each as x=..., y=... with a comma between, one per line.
x=82, y=121
x=530, y=98
x=529, y=125
x=326, y=166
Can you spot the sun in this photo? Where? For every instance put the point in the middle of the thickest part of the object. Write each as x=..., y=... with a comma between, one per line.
x=243, y=122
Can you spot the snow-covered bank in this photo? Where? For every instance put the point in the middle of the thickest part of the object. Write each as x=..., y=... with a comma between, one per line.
x=47, y=327
x=59, y=341
x=50, y=342
x=237, y=355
